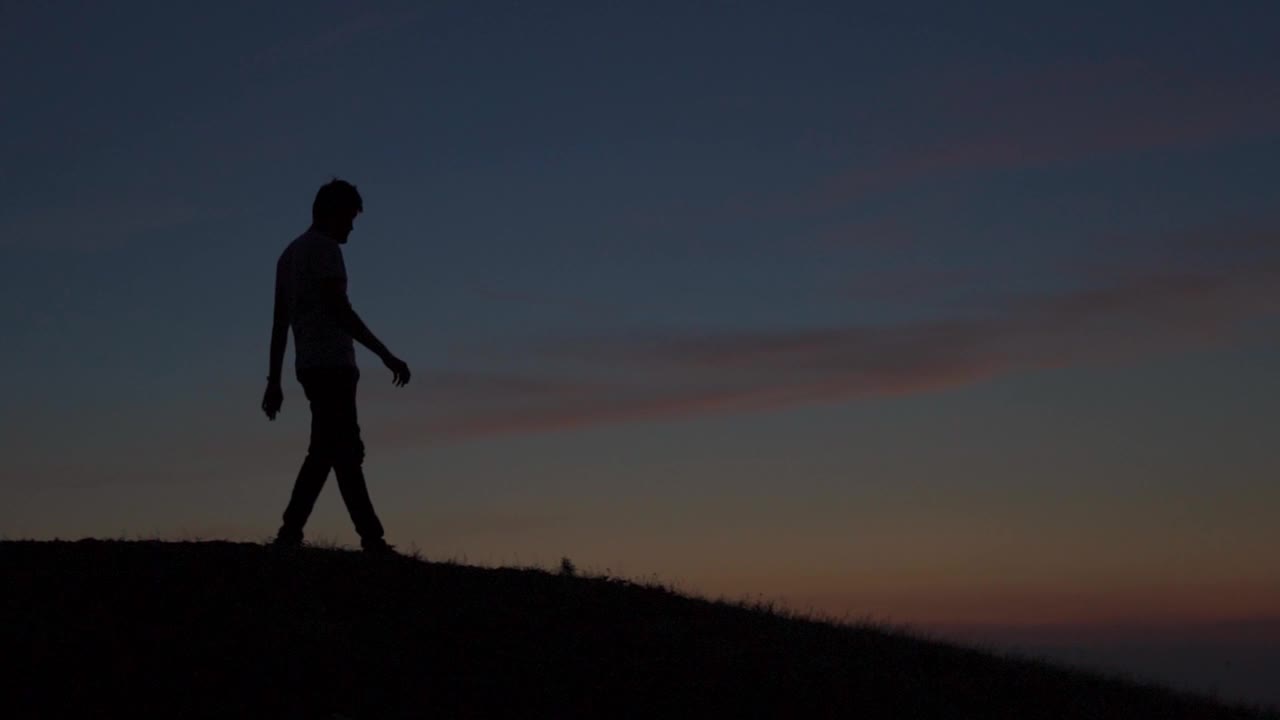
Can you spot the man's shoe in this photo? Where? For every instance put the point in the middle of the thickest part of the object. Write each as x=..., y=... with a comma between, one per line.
x=379, y=547
x=287, y=542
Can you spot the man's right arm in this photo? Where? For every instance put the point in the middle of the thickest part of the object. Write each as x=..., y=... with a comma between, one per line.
x=336, y=298
x=340, y=307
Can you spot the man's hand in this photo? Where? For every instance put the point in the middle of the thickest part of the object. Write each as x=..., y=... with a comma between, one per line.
x=272, y=399
x=399, y=370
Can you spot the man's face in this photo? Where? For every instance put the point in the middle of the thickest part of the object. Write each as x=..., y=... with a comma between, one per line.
x=343, y=225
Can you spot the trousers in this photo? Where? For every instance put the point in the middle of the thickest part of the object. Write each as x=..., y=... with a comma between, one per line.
x=335, y=444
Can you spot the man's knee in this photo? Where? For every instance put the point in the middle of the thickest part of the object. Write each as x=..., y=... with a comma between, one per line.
x=338, y=453
x=348, y=449
x=350, y=454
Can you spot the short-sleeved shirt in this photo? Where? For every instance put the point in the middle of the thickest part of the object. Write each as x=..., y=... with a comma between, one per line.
x=318, y=338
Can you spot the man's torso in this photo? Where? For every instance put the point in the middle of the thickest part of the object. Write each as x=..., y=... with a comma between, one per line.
x=319, y=340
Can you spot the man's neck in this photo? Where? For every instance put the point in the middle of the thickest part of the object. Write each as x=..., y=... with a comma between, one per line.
x=321, y=230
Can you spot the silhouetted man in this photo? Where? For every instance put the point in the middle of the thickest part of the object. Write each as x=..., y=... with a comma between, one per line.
x=311, y=297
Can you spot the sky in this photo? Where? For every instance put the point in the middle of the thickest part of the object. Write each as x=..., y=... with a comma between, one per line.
x=963, y=320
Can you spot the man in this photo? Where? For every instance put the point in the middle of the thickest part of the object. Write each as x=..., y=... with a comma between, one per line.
x=311, y=297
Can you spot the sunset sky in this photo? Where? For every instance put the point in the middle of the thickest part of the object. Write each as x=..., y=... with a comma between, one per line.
x=961, y=318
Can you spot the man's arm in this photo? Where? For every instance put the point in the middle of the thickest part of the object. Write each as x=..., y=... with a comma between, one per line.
x=273, y=398
x=340, y=305
x=279, y=338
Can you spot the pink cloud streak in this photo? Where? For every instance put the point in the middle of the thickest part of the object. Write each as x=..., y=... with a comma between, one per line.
x=686, y=376
x=1055, y=116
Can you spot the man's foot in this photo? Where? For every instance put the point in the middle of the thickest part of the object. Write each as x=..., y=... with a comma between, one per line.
x=378, y=547
x=287, y=541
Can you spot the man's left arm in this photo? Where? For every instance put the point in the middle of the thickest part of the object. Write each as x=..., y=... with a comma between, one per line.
x=274, y=396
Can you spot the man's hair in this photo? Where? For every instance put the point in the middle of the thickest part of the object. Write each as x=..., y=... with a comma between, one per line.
x=334, y=197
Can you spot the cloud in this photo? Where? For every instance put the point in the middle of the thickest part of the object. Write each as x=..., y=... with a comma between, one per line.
x=687, y=375
x=550, y=303
x=609, y=380
x=982, y=121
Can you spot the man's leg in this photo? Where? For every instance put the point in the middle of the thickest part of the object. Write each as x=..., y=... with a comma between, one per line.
x=320, y=391
x=356, y=495
x=306, y=489
x=347, y=465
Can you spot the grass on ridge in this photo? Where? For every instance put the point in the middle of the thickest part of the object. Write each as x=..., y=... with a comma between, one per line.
x=221, y=629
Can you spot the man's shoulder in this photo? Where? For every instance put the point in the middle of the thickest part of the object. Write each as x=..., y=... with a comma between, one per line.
x=295, y=244
x=314, y=242
x=316, y=255
x=311, y=243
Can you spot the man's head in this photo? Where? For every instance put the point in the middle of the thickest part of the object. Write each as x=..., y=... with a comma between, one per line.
x=335, y=208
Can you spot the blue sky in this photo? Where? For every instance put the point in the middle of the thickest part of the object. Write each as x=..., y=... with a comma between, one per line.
x=956, y=318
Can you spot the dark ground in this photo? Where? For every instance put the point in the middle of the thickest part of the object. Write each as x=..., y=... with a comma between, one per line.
x=236, y=630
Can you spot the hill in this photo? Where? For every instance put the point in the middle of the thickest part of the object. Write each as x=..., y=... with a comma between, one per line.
x=238, y=630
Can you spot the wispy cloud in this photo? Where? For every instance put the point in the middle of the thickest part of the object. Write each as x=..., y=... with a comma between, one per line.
x=550, y=302
x=983, y=122
x=1078, y=113
x=684, y=375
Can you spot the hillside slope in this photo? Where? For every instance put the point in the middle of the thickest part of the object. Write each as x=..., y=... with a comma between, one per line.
x=233, y=630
